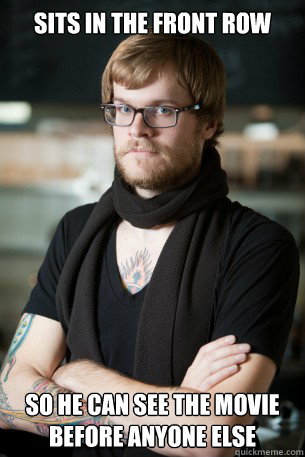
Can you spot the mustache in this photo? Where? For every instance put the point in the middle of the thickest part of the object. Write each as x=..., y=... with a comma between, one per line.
x=146, y=145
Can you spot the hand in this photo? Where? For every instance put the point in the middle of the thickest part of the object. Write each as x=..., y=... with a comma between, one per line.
x=215, y=362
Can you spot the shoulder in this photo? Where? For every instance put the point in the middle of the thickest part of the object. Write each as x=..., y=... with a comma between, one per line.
x=248, y=228
x=250, y=233
x=73, y=223
x=79, y=215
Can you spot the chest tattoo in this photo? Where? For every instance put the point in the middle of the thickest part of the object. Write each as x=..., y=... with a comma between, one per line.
x=136, y=272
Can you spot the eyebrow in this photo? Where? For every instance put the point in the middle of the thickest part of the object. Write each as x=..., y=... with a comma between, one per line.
x=153, y=102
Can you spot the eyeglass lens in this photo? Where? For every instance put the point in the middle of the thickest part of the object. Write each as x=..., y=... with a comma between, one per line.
x=155, y=116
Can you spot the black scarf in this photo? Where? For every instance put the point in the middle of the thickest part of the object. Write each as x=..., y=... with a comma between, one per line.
x=176, y=313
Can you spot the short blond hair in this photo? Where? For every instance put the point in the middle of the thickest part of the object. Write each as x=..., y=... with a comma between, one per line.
x=198, y=68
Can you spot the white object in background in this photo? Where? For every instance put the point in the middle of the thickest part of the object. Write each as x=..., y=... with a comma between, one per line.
x=261, y=131
x=15, y=112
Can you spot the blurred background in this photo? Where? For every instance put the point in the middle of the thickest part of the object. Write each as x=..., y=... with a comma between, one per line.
x=56, y=152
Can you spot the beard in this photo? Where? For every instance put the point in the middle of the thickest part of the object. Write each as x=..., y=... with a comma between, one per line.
x=165, y=170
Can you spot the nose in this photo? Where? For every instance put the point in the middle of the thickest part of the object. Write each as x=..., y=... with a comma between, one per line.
x=139, y=128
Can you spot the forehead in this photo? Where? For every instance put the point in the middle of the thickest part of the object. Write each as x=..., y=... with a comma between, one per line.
x=159, y=88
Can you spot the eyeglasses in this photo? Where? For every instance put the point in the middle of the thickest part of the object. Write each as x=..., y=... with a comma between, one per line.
x=121, y=115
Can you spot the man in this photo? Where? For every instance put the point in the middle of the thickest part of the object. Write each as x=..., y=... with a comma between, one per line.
x=134, y=288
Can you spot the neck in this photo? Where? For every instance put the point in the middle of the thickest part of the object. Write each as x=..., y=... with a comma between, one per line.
x=145, y=193
x=155, y=232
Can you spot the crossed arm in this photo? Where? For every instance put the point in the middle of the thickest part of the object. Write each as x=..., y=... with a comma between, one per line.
x=30, y=367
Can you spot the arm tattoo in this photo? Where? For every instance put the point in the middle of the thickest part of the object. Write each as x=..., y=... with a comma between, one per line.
x=42, y=423
x=20, y=335
x=10, y=360
x=136, y=273
x=43, y=385
x=5, y=406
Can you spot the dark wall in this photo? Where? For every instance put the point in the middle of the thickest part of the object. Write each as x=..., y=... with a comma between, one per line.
x=67, y=68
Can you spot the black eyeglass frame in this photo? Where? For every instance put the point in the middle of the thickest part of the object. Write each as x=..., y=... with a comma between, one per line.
x=196, y=106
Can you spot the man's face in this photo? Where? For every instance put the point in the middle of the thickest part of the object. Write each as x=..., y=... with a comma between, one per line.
x=152, y=158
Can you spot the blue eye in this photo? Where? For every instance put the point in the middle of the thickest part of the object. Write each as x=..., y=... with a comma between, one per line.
x=125, y=109
x=163, y=110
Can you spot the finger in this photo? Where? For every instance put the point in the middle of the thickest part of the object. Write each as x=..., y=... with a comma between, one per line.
x=213, y=346
x=218, y=365
x=220, y=342
x=217, y=377
x=207, y=358
x=228, y=351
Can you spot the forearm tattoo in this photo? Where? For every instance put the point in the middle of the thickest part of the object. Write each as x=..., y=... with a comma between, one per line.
x=43, y=423
x=5, y=406
x=43, y=385
x=9, y=362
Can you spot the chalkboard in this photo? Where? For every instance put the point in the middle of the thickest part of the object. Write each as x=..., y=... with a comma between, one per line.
x=67, y=68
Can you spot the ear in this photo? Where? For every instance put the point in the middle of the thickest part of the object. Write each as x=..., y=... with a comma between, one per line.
x=208, y=129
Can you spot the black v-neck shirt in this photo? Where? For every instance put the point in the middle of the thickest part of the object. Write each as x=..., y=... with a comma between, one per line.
x=118, y=317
